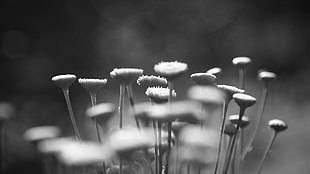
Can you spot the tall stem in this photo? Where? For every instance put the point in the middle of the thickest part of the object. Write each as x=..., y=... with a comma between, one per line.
x=160, y=147
x=260, y=113
x=156, y=147
x=227, y=151
x=74, y=125
x=2, y=146
x=121, y=104
x=242, y=73
x=225, y=108
x=241, y=113
x=132, y=102
x=170, y=86
x=267, y=152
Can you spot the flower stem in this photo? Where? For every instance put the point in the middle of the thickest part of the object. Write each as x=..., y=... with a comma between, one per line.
x=2, y=146
x=156, y=147
x=260, y=113
x=132, y=102
x=242, y=74
x=241, y=113
x=225, y=108
x=160, y=147
x=121, y=104
x=227, y=151
x=170, y=86
x=74, y=125
x=267, y=152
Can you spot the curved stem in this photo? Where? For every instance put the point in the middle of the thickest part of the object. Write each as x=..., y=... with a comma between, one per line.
x=225, y=108
x=267, y=152
x=241, y=113
x=74, y=125
x=121, y=104
x=132, y=102
x=260, y=113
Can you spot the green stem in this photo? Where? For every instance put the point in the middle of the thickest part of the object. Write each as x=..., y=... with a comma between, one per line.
x=121, y=104
x=74, y=125
x=260, y=113
x=221, y=136
x=241, y=113
x=132, y=102
x=267, y=152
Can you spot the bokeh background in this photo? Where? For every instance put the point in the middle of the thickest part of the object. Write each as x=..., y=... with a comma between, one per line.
x=39, y=39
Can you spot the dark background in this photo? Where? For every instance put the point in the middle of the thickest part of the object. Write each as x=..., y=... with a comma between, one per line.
x=39, y=39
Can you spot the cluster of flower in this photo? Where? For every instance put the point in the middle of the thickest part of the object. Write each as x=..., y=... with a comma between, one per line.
x=170, y=136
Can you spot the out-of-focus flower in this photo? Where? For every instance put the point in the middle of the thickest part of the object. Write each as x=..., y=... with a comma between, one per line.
x=159, y=94
x=245, y=121
x=170, y=70
x=6, y=111
x=36, y=134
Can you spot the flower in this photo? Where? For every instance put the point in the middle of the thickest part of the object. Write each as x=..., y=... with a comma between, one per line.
x=170, y=70
x=150, y=81
x=241, y=61
x=230, y=129
x=230, y=90
x=206, y=94
x=215, y=71
x=266, y=76
x=159, y=94
x=126, y=75
x=204, y=79
x=244, y=100
x=92, y=85
x=36, y=134
x=64, y=81
x=101, y=112
x=245, y=121
x=277, y=125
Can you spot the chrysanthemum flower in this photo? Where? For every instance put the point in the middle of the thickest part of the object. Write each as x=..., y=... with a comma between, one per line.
x=241, y=61
x=244, y=100
x=159, y=94
x=266, y=76
x=126, y=75
x=230, y=90
x=150, y=81
x=170, y=70
x=215, y=71
x=36, y=134
x=101, y=112
x=277, y=125
x=64, y=81
x=245, y=121
x=204, y=79
x=92, y=85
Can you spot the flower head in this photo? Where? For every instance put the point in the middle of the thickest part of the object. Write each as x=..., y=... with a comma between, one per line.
x=170, y=70
x=245, y=121
x=215, y=71
x=150, y=81
x=36, y=134
x=92, y=85
x=230, y=90
x=266, y=76
x=64, y=81
x=241, y=62
x=244, y=100
x=277, y=125
x=206, y=94
x=159, y=94
x=126, y=75
x=204, y=79
x=101, y=112
x=230, y=129
x=6, y=110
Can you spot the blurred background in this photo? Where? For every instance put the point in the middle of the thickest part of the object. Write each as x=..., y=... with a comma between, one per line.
x=40, y=39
